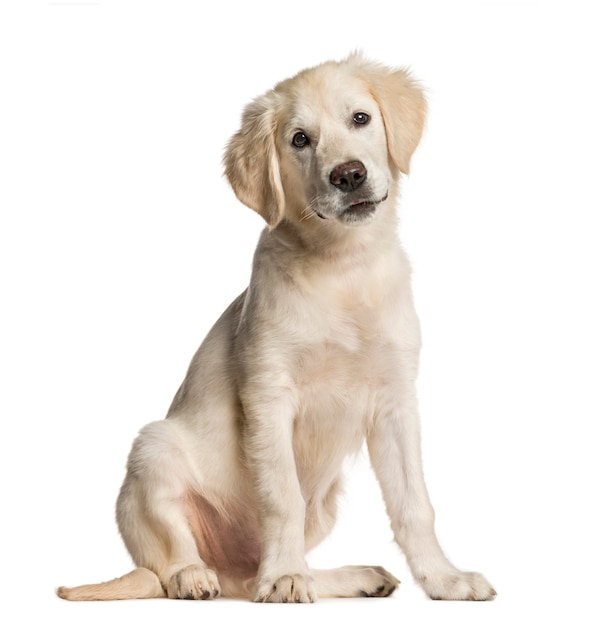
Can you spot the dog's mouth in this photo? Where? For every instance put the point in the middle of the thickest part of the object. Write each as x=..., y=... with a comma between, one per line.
x=358, y=211
x=361, y=211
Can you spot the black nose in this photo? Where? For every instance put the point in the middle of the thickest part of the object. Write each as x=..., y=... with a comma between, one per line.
x=348, y=176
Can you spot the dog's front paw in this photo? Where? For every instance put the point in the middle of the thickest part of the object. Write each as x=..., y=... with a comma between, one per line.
x=289, y=588
x=193, y=583
x=455, y=585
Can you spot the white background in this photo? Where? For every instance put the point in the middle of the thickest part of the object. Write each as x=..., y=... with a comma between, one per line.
x=120, y=244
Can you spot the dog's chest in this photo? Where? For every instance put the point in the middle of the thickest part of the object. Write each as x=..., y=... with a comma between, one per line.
x=345, y=340
x=349, y=313
x=339, y=383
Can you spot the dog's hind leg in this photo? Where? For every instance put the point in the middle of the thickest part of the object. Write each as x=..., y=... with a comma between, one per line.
x=138, y=584
x=350, y=581
x=354, y=581
x=153, y=514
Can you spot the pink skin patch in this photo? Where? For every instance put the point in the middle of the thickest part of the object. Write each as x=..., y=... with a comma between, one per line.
x=227, y=540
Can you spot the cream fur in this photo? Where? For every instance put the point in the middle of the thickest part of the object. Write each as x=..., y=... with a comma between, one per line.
x=319, y=354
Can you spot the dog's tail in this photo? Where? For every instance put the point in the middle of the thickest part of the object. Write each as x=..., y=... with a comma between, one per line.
x=138, y=584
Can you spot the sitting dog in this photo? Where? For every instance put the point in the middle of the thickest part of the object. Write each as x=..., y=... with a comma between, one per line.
x=319, y=354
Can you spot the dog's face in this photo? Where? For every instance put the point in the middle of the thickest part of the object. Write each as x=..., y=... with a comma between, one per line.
x=332, y=149
x=327, y=144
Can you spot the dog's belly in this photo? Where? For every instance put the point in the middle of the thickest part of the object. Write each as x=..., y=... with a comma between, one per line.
x=227, y=539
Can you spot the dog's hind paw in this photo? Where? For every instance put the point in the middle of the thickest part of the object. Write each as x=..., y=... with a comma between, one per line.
x=377, y=582
x=193, y=583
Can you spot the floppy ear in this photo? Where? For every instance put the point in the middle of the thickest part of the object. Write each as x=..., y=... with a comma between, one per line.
x=251, y=161
x=403, y=106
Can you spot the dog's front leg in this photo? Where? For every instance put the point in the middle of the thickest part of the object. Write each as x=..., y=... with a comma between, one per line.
x=394, y=445
x=268, y=446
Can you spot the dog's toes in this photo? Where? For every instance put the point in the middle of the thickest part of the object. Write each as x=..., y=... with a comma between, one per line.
x=193, y=583
x=289, y=588
x=458, y=586
x=377, y=582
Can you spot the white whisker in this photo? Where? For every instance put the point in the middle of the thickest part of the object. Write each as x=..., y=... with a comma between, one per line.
x=309, y=211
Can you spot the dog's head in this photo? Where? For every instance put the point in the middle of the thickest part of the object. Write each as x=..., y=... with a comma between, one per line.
x=327, y=144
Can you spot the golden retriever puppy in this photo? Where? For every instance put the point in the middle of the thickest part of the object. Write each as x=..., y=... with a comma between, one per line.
x=319, y=354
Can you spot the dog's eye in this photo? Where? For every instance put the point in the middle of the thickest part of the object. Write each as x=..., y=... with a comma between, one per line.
x=300, y=140
x=361, y=118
